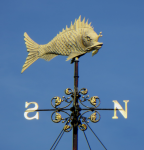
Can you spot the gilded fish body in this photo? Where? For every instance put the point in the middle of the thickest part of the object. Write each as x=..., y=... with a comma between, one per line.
x=73, y=42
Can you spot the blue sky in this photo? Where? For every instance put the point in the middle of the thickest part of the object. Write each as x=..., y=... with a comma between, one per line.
x=114, y=73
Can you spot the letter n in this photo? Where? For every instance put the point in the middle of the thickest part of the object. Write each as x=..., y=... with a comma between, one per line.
x=117, y=106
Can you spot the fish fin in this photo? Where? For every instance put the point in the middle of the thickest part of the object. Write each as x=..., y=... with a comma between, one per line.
x=33, y=49
x=72, y=60
x=74, y=54
x=94, y=52
x=48, y=57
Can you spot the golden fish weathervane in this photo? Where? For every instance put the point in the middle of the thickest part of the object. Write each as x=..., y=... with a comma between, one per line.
x=73, y=42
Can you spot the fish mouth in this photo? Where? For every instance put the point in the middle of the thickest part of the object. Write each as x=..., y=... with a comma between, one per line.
x=99, y=45
x=95, y=46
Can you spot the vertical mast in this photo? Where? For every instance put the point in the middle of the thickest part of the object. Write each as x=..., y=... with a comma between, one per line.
x=75, y=102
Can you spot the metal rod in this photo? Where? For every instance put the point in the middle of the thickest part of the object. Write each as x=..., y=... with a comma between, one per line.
x=60, y=109
x=100, y=109
x=57, y=138
x=56, y=109
x=87, y=140
x=75, y=117
x=96, y=135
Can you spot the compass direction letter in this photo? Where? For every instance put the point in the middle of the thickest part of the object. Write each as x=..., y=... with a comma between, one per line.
x=31, y=110
x=118, y=106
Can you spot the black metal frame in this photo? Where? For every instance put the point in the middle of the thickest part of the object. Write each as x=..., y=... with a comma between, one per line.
x=75, y=119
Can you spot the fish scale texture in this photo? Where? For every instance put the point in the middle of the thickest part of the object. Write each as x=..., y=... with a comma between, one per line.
x=72, y=42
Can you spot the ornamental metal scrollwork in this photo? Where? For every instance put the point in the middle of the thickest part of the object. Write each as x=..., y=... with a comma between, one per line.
x=58, y=117
x=82, y=127
x=82, y=120
x=83, y=91
x=95, y=117
x=68, y=91
x=93, y=100
x=56, y=101
x=67, y=128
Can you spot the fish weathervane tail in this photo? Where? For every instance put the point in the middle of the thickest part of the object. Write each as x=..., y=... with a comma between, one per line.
x=75, y=41
x=33, y=49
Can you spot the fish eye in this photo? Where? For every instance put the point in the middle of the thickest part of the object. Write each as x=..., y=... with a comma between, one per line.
x=88, y=38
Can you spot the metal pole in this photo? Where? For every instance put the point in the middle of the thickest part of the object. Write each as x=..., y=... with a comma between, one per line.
x=75, y=113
